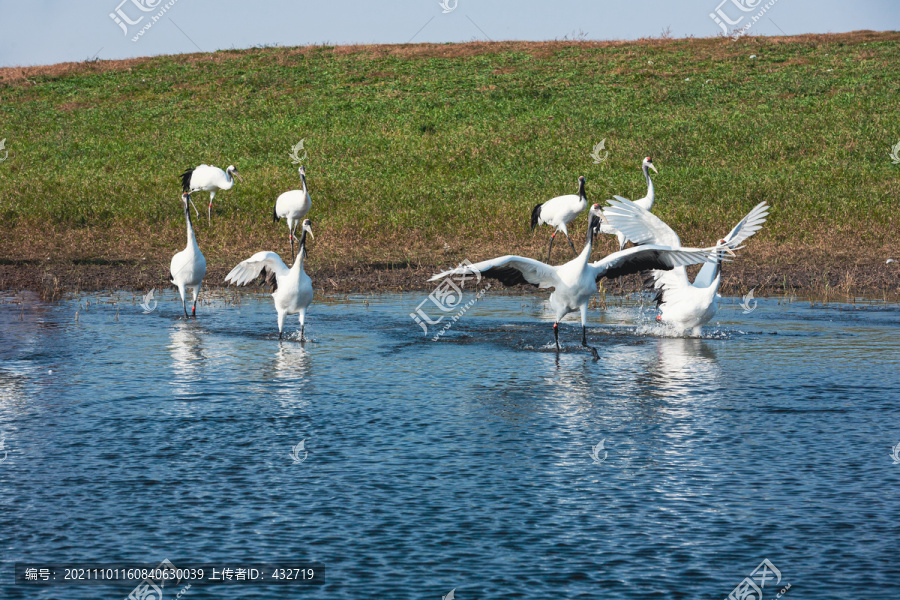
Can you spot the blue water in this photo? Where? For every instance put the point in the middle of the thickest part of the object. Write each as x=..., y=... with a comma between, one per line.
x=460, y=464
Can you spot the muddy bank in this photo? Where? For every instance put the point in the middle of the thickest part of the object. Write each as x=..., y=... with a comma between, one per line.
x=53, y=279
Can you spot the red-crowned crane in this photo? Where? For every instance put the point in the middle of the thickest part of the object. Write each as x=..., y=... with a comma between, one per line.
x=576, y=281
x=683, y=305
x=207, y=178
x=293, y=206
x=188, y=267
x=559, y=212
x=293, y=291
x=645, y=202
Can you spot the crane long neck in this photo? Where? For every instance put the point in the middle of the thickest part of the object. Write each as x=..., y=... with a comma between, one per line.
x=593, y=225
x=298, y=262
x=651, y=193
x=718, y=270
x=303, y=181
x=191, y=238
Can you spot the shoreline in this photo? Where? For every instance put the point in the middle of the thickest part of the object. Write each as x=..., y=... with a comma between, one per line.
x=55, y=279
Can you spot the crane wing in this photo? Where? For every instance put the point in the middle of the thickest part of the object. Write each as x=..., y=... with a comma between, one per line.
x=510, y=270
x=639, y=224
x=667, y=283
x=649, y=257
x=267, y=264
x=746, y=227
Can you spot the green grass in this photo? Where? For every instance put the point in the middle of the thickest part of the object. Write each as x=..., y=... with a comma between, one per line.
x=412, y=145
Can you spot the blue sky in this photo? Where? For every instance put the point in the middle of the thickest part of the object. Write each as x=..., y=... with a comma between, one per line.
x=38, y=32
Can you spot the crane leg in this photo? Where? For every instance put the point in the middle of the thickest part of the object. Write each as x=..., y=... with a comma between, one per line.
x=302, y=327
x=212, y=196
x=292, y=244
x=556, y=335
x=551, y=247
x=585, y=344
x=571, y=245
x=194, y=305
x=184, y=307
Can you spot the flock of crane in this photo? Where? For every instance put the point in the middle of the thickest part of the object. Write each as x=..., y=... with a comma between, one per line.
x=292, y=291
x=657, y=252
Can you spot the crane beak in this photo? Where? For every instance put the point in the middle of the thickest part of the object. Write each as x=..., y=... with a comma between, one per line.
x=654, y=168
x=308, y=230
x=241, y=179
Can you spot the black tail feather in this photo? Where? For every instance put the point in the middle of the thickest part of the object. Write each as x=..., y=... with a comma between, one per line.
x=275, y=218
x=186, y=181
x=535, y=216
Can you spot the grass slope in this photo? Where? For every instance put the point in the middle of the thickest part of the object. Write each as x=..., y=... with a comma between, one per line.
x=426, y=154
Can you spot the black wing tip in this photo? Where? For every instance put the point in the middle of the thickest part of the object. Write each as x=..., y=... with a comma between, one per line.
x=275, y=217
x=637, y=263
x=267, y=277
x=508, y=276
x=535, y=215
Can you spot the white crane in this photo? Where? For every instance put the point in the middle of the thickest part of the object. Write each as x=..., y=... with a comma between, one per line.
x=559, y=212
x=683, y=305
x=576, y=281
x=188, y=267
x=207, y=178
x=645, y=202
x=293, y=291
x=293, y=206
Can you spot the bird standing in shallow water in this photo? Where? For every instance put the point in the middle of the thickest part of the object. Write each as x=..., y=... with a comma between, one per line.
x=576, y=281
x=207, y=178
x=559, y=212
x=293, y=206
x=293, y=291
x=188, y=267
